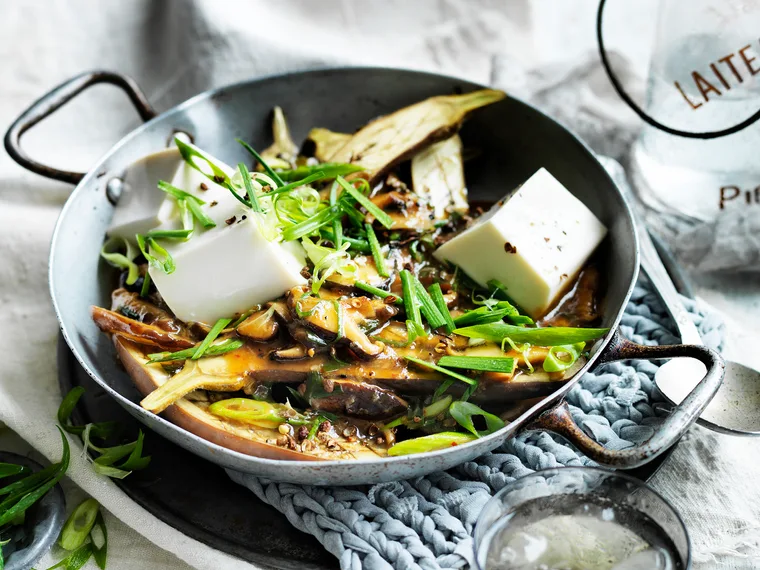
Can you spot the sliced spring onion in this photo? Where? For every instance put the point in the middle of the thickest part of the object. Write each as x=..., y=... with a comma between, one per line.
x=437, y=295
x=200, y=215
x=520, y=320
x=480, y=316
x=243, y=316
x=411, y=303
x=337, y=238
x=185, y=215
x=10, y=469
x=432, y=442
x=249, y=190
x=288, y=187
x=253, y=412
x=313, y=224
x=376, y=212
x=190, y=153
x=413, y=330
x=366, y=287
x=427, y=306
x=178, y=193
x=562, y=357
x=79, y=524
x=147, y=243
x=437, y=368
x=463, y=413
x=328, y=169
x=212, y=334
x=263, y=163
x=483, y=363
x=430, y=411
x=227, y=345
x=445, y=385
x=100, y=553
x=327, y=261
x=377, y=254
x=468, y=392
x=355, y=243
x=145, y=289
x=110, y=253
x=169, y=234
x=546, y=336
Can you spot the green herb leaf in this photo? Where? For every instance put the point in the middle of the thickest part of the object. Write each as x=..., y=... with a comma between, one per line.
x=212, y=334
x=437, y=295
x=262, y=162
x=463, y=412
x=437, y=368
x=484, y=363
x=376, y=212
x=546, y=336
x=432, y=442
x=328, y=169
x=77, y=527
x=110, y=253
x=377, y=254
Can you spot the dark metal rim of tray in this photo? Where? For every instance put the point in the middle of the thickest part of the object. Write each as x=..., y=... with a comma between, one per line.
x=225, y=515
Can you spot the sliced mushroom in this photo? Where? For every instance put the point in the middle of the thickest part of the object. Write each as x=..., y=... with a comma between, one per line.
x=359, y=399
x=141, y=333
x=321, y=317
x=325, y=143
x=261, y=326
x=295, y=352
x=133, y=306
x=366, y=272
x=405, y=210
x=386, y=141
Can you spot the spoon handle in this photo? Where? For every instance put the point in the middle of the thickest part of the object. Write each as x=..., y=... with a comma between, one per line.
x=658, y=275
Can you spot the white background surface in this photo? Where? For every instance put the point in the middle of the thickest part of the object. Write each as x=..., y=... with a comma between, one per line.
x=177, y=48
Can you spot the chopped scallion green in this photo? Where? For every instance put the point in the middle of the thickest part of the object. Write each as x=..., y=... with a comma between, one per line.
x=545, y=336
x=288, y=187
x=145, y=289
x=263, y=163
x=366, y=287
x=169, y=234
x=437, y=368
x=212, y=334
x=254, y=201
x=377, y=253
x=337, y=238
x=376, y=212
x=437, y=295
x=483, y=363
x=328, y=169
x=227, y=345
x=463, y=412
x=178, y=193
x=432, y=442
x=354, y=243
x=427, y=306
x=146, y=244
x=411, y=303
x=125, y=260
x=200, y=215
x=562, y=357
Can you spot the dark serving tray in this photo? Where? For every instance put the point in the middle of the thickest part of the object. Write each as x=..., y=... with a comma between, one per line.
x=198, y=499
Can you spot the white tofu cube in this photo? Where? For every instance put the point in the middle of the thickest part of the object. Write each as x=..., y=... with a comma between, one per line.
x=142, y=205
x=534, y=242
x=226, y=270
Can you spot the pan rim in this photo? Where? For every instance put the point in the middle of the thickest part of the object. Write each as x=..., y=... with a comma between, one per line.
x=486, y=443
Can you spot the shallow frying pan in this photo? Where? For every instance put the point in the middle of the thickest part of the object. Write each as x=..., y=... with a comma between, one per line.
x=515, y=140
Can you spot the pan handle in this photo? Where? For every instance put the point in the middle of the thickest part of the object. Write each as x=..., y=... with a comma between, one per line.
x=54, y=100
x=559, y=420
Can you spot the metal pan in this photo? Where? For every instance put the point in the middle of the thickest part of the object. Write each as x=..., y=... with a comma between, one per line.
x=515, y=139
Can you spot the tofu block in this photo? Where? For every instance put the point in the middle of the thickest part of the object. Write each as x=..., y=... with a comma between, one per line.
x=226, y=270
x=142, y=205
x=534, y=242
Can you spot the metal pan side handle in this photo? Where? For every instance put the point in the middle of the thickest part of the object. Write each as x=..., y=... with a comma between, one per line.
x=559, y=420
x=54, y=100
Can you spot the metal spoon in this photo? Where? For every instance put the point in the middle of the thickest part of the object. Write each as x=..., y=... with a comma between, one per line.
x=735, y=408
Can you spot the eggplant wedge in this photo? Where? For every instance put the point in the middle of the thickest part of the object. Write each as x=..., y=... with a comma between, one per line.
x=141, y=333
x=194, y=417
x=283, y=151
x=386, y=141
x=323, y=143
x=438, y=177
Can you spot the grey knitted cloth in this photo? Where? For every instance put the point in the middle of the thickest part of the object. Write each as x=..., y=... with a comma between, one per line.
x=427, y=523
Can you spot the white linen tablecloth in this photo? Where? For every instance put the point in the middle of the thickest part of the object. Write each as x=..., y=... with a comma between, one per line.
x=541, y=50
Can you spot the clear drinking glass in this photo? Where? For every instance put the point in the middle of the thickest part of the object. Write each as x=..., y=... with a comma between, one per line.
x=703, y=76
x=580, y=518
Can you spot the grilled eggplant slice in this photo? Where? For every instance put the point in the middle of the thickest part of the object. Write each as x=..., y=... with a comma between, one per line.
x=261, y=442
x=325, y=143
x=438, y=177
x=141, y=333
x=283, y=151
x=386, y=141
